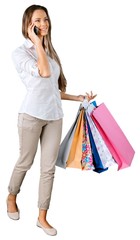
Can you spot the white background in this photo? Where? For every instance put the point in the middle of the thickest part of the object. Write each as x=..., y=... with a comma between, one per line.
x=98, y=43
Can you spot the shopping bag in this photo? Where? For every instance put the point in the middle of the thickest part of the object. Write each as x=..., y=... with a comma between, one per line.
x=96, y=158
x=75, y=154
x=115, y=139
x=65, y=146
x=103, y=151
x=87, y=155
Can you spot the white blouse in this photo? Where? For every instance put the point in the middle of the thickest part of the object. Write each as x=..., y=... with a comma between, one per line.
x=43, y=98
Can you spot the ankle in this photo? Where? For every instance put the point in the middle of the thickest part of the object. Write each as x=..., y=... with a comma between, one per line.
x=42, y=215
x=11, y=197
x=42, y=219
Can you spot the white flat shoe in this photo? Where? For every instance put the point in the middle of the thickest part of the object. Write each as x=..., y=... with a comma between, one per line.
x=14, y=215
x=49, y=231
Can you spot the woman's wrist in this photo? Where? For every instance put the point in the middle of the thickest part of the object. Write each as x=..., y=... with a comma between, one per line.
x=80, y=98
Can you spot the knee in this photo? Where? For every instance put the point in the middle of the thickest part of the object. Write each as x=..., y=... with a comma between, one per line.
x=23, y=166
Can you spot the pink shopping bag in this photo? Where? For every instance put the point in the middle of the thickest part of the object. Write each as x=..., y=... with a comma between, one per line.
x=115, y=139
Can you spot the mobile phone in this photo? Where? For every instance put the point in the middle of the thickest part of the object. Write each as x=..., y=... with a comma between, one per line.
x=36, y=30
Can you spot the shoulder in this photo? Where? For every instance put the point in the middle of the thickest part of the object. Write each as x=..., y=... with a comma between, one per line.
x=18, y=50
x=22, y=51
x=24, y=47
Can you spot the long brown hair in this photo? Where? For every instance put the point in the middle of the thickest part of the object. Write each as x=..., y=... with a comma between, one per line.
x=26, y=20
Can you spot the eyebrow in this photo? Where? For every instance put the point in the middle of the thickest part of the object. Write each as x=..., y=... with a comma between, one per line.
x=40, y=18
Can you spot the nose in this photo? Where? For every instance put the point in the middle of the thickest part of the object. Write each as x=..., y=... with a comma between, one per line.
x=44, y=23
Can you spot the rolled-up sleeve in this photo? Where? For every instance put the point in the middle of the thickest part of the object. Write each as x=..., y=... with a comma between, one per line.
x=24, y=61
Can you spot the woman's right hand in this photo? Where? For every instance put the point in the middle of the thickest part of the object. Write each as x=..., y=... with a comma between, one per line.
x=32, y=35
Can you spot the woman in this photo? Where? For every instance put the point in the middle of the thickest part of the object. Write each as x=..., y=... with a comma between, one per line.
x=40, y=115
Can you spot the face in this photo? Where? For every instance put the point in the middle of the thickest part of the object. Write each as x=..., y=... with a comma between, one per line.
x=40, y=20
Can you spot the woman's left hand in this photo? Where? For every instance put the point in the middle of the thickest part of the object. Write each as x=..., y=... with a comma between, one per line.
x=88, y=96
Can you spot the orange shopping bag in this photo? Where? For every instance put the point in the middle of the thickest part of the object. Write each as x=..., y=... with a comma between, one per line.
x=75, y=155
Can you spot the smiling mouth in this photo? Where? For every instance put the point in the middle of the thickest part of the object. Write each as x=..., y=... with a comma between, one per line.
x=44, y=29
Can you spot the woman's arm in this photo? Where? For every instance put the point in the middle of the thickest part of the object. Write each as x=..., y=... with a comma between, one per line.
x=42, y=59
x=65, y=96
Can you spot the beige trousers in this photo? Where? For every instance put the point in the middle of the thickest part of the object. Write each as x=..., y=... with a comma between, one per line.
x=31, y=130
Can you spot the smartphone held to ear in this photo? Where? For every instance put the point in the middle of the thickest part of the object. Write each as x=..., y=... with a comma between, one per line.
x=36, y=30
